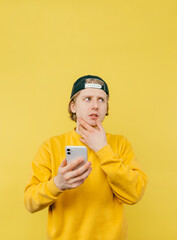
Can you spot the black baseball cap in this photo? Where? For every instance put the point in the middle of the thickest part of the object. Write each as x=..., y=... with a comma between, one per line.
x=80, y=84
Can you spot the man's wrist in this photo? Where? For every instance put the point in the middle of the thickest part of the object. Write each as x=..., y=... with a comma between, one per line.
x=55, y=181
x=100, y=147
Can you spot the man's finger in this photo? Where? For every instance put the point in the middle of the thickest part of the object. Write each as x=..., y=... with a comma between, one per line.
x=80, y=177
x=73, y=164
x=80, y=124
x=82, y=130
x=81, y=170
x=99, y=124
x=84, y=124
x=64, y=163
x=83, y=140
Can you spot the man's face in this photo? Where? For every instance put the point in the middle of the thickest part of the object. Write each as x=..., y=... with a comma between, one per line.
x=90, y=105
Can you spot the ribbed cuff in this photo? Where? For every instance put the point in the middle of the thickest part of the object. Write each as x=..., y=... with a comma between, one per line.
x=106, y=155
x=105, y=152
x=53, y=188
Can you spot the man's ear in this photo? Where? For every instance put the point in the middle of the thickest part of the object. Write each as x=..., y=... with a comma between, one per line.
x=72, y=105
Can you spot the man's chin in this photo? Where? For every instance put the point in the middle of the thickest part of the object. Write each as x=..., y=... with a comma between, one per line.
x=92, y=123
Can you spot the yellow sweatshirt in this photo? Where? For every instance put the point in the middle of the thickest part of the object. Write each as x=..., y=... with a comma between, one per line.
x=94, y=210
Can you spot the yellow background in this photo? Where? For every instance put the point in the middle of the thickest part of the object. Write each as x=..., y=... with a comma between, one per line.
x=44, y=47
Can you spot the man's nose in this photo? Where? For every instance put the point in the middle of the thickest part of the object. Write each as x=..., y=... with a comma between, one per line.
x=95, y=104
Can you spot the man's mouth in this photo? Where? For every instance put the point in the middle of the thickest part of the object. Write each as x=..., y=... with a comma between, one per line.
x=93, y=115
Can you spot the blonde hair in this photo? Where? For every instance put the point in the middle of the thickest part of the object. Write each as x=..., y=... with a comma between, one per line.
x=73, y=99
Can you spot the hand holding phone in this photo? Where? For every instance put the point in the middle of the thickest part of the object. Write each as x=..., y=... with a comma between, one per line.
x=77, y=170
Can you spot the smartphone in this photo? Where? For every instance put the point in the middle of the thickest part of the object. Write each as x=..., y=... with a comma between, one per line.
x=74, y=152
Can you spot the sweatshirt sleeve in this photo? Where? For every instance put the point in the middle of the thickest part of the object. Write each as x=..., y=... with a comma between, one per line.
x=41, y=190
x=126, y=179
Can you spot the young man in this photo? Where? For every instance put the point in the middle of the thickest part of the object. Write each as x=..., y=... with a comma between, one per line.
x=86, y=203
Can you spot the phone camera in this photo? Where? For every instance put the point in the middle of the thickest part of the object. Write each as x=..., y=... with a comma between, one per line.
x=68, y=151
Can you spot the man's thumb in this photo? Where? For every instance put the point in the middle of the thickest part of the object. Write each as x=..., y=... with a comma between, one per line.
x=64, y=163
x=99, y=123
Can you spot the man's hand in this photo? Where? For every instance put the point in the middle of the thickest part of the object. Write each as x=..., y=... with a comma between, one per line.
x=68, y=178
x=94, y=138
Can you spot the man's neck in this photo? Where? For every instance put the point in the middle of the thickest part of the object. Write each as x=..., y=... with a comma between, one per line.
x=77, y=128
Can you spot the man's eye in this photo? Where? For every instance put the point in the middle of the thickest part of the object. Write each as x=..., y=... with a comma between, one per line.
x=87, y=98
x=101, y=99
